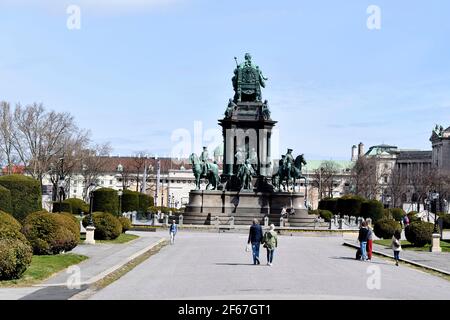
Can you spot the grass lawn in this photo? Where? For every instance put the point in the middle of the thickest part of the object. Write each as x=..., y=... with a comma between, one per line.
x=445, y=245
x=123, y=238
x=42, y=267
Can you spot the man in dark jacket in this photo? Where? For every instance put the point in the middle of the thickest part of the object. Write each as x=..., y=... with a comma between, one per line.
x=255, y=237
x=362, y=238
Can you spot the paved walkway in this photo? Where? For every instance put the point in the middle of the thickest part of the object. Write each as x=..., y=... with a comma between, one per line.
x=102, y=257
x=216, y=266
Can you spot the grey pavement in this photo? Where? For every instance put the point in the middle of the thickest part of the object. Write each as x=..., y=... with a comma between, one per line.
x=102, y=257
x=216, y=266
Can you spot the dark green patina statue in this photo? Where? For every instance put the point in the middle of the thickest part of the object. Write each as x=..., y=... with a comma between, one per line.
x=245, y=175
x=203, y=168
x=247, y=81
x=289, y=170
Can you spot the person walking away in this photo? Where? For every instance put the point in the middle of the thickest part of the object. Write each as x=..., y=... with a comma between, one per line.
x=396, y=246
x=270, y=243
x=255, y=238
x=362, y=238
x=173, y=231
x=406, y=220
x=369, y=242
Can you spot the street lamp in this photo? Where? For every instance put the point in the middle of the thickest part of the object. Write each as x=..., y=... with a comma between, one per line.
x=91, y=204
x=61, y=183
x=434, y=196
x=120, y=193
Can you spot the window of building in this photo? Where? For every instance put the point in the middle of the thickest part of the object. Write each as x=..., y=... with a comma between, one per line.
x=74, y=190
x=110, y=182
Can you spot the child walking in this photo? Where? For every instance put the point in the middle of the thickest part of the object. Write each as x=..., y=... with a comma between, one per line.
x=396, y=246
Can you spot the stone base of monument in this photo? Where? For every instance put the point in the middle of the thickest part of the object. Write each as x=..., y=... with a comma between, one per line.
x=244, y=206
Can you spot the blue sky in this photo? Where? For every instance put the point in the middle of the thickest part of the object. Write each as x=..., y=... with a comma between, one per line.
x=138, y=70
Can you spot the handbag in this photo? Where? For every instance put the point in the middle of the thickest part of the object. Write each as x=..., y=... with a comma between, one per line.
x=247, y=248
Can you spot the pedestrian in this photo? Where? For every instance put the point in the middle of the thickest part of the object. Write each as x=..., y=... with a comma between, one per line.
x=369, y=242
x=283, y=212
x=362, y=238
x=173, y=231
x=396, y=246
x=270, y=243
x=406, y=220
x=255, y=238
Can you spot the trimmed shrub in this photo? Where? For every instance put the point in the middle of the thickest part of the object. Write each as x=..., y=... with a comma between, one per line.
x=412, y=216
x=397, y=214
x=106, y=200
x=372, y=209
x=5, y=199
x=329, y=204
x=61, y=207
x=71, y=223
x=10, y=228
x=15, y=257
x=77, y=206
x=130, y=201
x=419, y=233
x=144, y=202
x=326, y=215
x=107, y=226
x=50, y=233
x=156, y=209
x=126, y=224
x=446, y=220
x=350, y=205
x=385, y=228
x=26, y=196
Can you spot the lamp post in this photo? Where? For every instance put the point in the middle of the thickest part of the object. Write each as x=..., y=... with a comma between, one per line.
x=61, y=182
x=436, y=237
x=91, y=203
x=120, y=193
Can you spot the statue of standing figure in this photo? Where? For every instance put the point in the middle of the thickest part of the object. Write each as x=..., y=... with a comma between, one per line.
x=245, y=175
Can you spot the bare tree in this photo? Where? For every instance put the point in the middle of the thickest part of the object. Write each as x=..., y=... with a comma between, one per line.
x=93, y=164
x=324, y=178
x=396, y=185
x=138, y=165
x=39, y=136
x=366, y=177
x=6, y=136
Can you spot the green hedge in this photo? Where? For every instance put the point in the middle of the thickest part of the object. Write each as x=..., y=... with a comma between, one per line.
x=385, y=228
x=446, y=220
x=106, y=200
x=349, y=205
x=50, y=233
x=61, y=207
x=145, y=201
x=77, y=206
x=107, y=226
x=329, y=204
x=419, y=233
x=372, y=209
x=130, y=201
x=397, y=213
x=5, y=199
x=26, y=196
x=15, y=257
x=10, y=228
x=326, y=215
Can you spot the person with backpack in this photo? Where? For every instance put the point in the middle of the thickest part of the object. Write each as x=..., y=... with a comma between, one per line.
x=396, y=246
x=270, y=241
x=255, y=238
x=363, y=238
x=173, y=231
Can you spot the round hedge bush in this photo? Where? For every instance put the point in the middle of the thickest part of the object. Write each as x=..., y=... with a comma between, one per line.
x=412, y=216
x=107, y=226
x=10, y=228
x=15, y=257
x=50, y=233
x=326, y=215
x=397, y=214
x=77, y=205
x=126, y=224
x=350, y=205
x=106, y=200
x=26, y=196
x=130, y=201
x=5, y=199
x=419, y=233
x=385, y=228
x=71, y=223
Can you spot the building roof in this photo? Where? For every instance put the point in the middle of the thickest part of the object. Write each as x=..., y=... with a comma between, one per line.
x=130, y=164
x=315, y=164
x=414, y=155
x=382, y=149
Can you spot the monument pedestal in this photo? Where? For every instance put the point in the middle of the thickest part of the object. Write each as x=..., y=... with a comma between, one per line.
x=90, y=230
x=436, y=243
